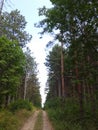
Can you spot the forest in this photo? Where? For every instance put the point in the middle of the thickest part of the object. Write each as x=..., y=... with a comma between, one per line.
x=19, y=84
x=72, y=85
x=72, y=65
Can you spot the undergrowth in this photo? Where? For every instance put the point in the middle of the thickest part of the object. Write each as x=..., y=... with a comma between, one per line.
x=20, y=104
x=15, y=115
x=13, y=121
x=65, y=115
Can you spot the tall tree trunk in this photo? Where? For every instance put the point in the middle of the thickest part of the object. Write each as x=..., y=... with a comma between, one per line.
x=59, y=88
x=92, y=89
x=25, y=87
x=79, y=87
x=1, y=6
x=6, y=100
x=62, y=71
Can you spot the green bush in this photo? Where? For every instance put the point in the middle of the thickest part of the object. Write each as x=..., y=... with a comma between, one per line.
x=65, y=115
x=13, y=121
x=20, y=104
x=8, y=121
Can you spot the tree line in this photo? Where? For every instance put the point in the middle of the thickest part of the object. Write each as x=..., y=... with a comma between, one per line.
x=18, y=69
x=73, y=62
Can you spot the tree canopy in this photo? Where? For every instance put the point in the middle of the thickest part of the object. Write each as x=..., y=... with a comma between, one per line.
x=75, y=25
x=12, y=64
x=13, y=26
x=18, y=69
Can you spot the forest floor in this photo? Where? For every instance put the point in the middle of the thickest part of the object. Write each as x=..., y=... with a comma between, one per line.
x=30, y=123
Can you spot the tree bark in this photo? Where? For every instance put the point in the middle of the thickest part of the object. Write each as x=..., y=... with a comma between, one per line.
x=62, y=71
x=25, y=87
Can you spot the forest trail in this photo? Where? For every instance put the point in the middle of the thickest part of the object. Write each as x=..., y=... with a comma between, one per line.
x=29, y=125
x=46, y=123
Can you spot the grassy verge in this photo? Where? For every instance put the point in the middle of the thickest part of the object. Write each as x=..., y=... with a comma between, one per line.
x=39, y=122
x=13, y=121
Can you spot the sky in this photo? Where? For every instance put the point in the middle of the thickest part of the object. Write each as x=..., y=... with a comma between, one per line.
x=29, y=9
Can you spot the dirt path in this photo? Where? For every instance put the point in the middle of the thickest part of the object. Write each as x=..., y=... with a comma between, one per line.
x=46, y=122
x=29, y=125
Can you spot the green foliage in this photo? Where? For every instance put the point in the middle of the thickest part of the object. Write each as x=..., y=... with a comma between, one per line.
x=53, y=64
x=65, y=115
x=20, y=104
x=10, y=121
x=32, y=85
x=12, y=62
x=13, y=26
x=74, y=23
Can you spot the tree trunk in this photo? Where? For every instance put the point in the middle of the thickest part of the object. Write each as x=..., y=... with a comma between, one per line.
x=79, y=88
x=1, y=6
x=25, y=87
x=59, y=88
x=62, y=71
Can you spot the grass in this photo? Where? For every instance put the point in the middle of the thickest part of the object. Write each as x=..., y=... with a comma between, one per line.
x=22, y=116
x=39, y=122
x=8, y=121
x=13, y=121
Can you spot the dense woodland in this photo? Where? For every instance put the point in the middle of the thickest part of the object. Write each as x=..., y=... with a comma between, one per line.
x=72, y=63
x=18, y=69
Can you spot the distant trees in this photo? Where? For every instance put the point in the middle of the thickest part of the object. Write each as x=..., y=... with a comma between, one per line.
x=53, y=63
x=31, y=83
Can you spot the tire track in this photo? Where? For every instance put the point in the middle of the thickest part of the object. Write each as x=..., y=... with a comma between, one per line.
x=29, y=125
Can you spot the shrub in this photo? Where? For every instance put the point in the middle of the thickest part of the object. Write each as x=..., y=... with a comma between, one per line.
x=8, y=121
x=65, y=115
x=20, y=104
